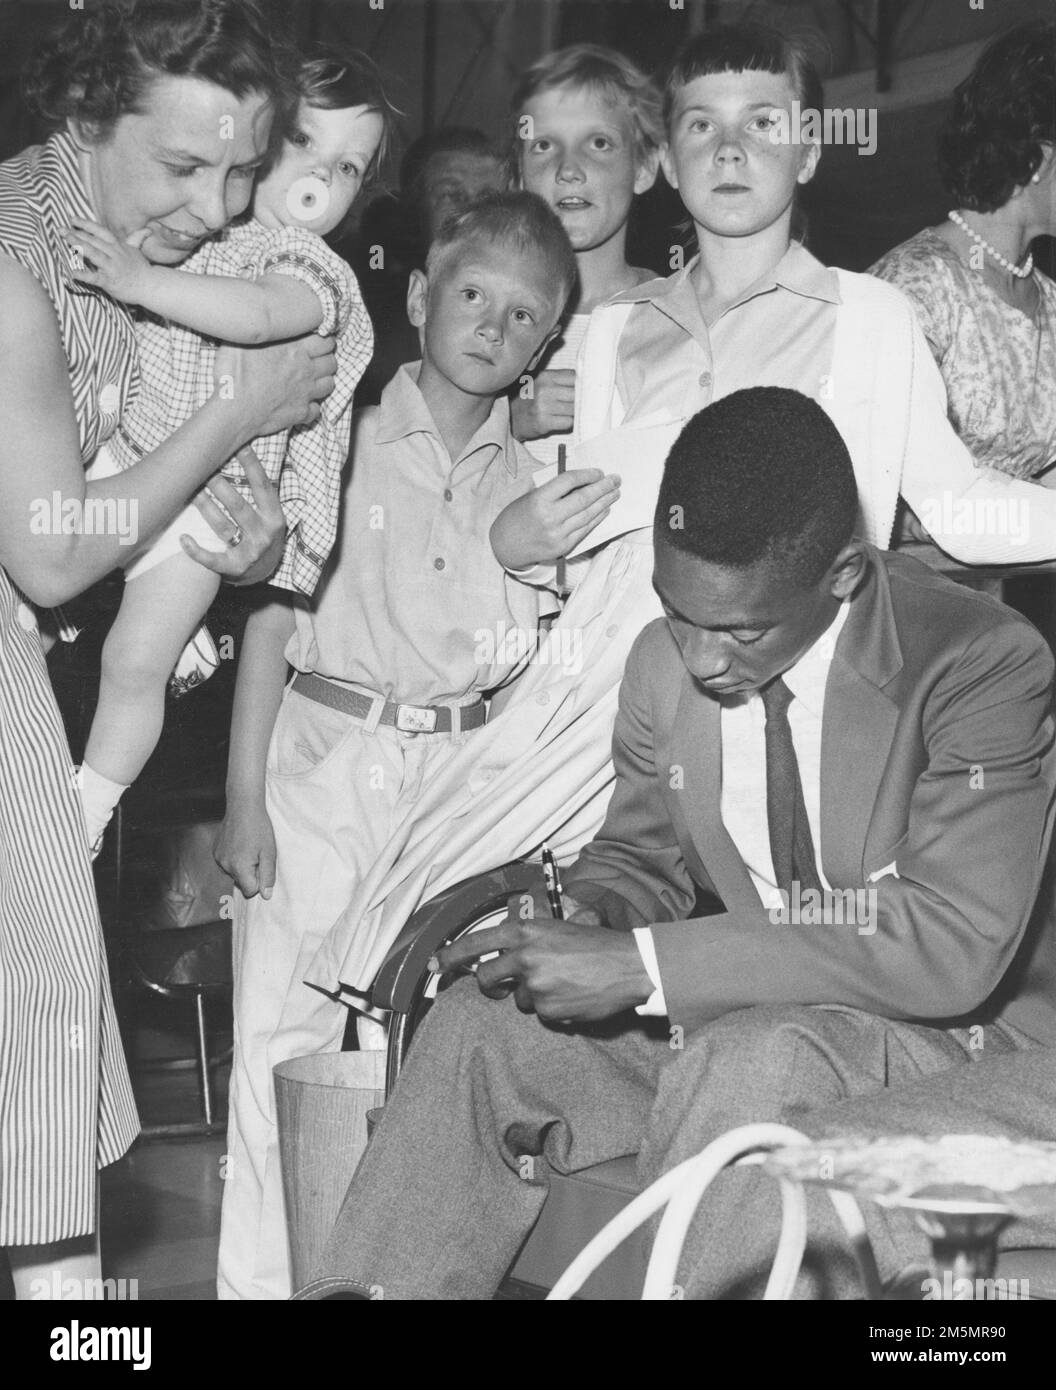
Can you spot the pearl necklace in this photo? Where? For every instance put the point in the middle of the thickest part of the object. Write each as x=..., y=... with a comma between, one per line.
x=1020, y=272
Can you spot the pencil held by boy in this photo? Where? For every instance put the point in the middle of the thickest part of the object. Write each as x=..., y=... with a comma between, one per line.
x=392, y=661
x=269, y=277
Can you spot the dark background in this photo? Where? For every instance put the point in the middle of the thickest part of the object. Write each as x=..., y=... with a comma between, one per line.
x=455, y=61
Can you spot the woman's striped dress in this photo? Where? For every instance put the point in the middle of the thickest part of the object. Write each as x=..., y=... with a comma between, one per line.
x=66, y=1104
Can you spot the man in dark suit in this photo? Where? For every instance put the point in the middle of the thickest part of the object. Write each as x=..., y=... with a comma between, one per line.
x=850, y=761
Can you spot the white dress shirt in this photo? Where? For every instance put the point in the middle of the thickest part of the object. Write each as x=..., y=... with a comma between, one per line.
x=742, y=805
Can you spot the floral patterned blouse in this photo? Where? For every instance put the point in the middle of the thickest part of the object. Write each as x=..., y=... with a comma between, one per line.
x=999, y=364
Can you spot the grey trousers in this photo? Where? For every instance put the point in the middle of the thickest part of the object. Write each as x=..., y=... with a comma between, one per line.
x=491, y=1100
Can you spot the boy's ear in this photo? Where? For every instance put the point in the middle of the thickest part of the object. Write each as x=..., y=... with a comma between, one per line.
x=810, y=163
x=645, y=175
x=417, y=298
x=667, y=164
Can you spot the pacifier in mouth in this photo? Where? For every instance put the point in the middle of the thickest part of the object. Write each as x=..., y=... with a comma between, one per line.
x=307, y=199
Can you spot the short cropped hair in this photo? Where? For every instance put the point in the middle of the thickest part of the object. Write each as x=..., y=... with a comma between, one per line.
x=760, y=475
x=445, y=139
x=603, y=70
x=747, y=47
x=100, y=65
x=1002, y=114
x=513, y=218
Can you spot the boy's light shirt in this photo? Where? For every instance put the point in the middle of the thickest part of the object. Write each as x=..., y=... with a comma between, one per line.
x=779, y=332
x=564, y=357
x=670, y=365
x=413, y=605
x=854, y=345
x=742, y=804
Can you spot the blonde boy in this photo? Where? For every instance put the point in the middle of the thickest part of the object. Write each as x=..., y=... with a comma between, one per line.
x=388, y=681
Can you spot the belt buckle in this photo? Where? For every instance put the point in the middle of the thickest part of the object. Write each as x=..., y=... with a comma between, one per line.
x=415, y=719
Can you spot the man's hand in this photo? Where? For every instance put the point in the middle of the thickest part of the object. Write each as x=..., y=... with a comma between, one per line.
x=551, y=409
x=121, y=269
x=575, y=970
x=255, y=534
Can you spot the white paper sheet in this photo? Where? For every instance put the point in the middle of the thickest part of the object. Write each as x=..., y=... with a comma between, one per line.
x=637, y=453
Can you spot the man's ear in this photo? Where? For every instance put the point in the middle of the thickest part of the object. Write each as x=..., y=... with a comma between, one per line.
x=847, y=570
x=417, y=298
x=645, y=175
x=668, y=165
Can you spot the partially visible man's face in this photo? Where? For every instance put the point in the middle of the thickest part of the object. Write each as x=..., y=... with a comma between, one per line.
x=455, y=179
x=738, y=629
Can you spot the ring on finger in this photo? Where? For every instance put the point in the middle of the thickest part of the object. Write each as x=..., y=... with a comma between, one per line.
x=236, y=539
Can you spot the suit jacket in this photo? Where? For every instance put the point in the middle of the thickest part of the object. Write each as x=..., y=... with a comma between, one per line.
x=937, y=757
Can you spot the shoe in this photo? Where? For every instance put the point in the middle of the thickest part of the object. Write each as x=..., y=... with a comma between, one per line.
x=198, y=660
x=57, y=625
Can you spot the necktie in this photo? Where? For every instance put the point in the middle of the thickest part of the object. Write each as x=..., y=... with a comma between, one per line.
x=791, y=844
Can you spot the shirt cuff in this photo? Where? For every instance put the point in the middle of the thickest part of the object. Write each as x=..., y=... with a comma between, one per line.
x=656, y=1005
x=540, y=576
x=319, y=278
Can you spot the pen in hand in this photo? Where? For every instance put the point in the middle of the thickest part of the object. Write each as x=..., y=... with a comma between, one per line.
x=555, y=899
x=554, y=891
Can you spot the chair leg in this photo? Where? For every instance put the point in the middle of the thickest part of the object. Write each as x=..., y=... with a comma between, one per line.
x=203, y=1058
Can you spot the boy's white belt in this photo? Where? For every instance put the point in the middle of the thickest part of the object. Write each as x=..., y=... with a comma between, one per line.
x=409, y=719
